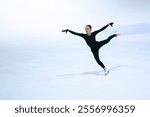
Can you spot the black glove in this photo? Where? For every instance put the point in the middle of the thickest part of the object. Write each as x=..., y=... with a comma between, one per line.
x=65, y=30
x=111, y=24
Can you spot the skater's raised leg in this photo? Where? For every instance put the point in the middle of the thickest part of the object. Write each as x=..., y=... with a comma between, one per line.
x=102, y=43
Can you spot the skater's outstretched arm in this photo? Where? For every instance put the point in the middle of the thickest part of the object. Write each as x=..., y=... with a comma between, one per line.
x=75, y=33
x=103, y=28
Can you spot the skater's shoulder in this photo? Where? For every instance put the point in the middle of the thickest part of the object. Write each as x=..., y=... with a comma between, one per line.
x=94, y=32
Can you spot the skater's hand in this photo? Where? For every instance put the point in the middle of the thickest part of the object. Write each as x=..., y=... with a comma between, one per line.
x=111, y=24
x=65, y=30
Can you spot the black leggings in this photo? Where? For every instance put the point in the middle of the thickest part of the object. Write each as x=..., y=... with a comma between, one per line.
x=95, y=50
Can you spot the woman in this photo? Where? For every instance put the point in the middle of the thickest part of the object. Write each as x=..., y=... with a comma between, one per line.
x=90, y=39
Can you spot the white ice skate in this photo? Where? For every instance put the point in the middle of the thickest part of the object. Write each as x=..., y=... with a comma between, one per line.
x=106, y=72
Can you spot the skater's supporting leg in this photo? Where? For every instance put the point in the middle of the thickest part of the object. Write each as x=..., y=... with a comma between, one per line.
x=96, y=56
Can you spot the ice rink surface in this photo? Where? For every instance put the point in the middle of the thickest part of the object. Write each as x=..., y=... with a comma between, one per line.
x=65, y=68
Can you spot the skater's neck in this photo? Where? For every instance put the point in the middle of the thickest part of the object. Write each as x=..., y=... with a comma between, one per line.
x=89, y=34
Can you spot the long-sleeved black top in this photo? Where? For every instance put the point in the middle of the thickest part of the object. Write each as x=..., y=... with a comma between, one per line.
x=90, y=40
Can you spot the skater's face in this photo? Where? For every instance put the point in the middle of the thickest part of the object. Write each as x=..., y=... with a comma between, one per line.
x=88, y=30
